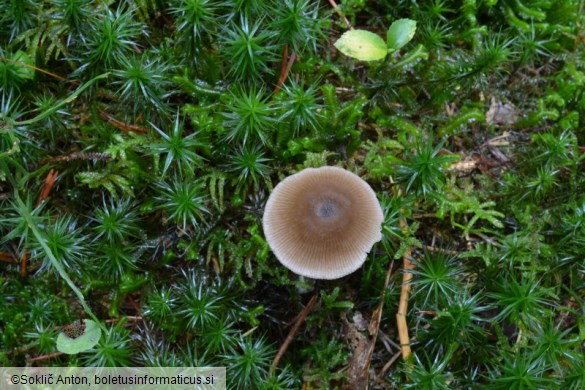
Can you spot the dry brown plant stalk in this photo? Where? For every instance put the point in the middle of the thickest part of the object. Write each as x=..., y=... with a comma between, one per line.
x=340, y=13
x=404, y=294
x=289, y=338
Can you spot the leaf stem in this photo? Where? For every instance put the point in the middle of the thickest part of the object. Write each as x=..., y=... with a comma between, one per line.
x=54, y=262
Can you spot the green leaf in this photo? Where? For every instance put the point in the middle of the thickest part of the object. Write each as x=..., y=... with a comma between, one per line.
x=87, y=340
x=400, y=33
x=362, y=45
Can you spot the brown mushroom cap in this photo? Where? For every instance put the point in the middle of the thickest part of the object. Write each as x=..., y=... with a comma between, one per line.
x=321, y=223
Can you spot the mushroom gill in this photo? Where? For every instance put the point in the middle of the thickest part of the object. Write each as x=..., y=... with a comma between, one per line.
x=321, y=223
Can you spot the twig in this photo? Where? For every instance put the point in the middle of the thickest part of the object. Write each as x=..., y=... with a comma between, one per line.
x=340, y=13
x=388, y=365
x=77, y=156
x=285, y=67
x=468, y=240
x=37, y=69
x=48, y=185
x=7, y=258
x=359, y=366
x=388, y=340
x=23, y=264
x=488, y=239
x=374, y=327
x=44, y=357
x=303, y=314
x=128, y=319
x=404, y=293
x=431, y=248
x=306, y=384
x=121, y=125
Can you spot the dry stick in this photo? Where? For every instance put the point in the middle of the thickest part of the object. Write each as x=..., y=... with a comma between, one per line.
x=129, y=319
x=43, y=357
x=7, y=258
x=340, y=13
x=388, y=365
x=37, y=69
x=23, y=264
x=285, y=69
x=302, y=315
x=404, y=293
x=121, y=125
x=76, y=156
x=440, y=250
x=374, y=327
x=48, y=185
x=282, y=76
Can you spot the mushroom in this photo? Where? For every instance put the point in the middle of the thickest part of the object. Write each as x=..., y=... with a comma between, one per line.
x=321, y=223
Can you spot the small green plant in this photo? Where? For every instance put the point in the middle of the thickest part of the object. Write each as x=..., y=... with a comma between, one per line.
x=521, y=301
x=179, y=150
x=64, y=238
x=366, y=46
x=522, y=370
x=296, y=24
x=249, y=117
x=249, y=49
x=429, y=374
x=300, y=111
x=183, y=201
x=248, y=362
x=12, y=73
x=249, y=164
x=199, y=307
x=139, y=142
x=195, y=20
x=423, y=171
x=113, y=349
x=142, y=84
x=111, y=39
x=437, y=279
x=161, y=306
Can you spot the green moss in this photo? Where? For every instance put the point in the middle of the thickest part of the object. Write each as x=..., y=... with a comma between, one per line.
x=138, y=146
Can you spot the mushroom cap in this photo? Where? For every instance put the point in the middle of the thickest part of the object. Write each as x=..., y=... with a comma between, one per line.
x=322, y=222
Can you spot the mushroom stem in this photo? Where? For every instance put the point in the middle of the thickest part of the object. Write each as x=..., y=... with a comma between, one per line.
x=404, y=294
x=301, y=317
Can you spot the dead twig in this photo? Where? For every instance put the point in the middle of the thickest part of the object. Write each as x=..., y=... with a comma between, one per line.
x=37, y=69
x=45, y=357
x=388, y=340
x=285, y=67
x=23, y=264
x=48, y=185
x=121, y=125
x=289, y=338
x=488, y=239
x=388, y=365
x=340, y=13
x=7, y=258
x=404, y=294
x=77, y=156
x=359, y=365
x=129, y=320
x=431, y=248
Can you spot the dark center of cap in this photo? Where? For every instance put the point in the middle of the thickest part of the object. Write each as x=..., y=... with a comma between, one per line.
x=326, y=209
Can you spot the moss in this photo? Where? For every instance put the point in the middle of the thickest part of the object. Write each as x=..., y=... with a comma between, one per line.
x=138, y=146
